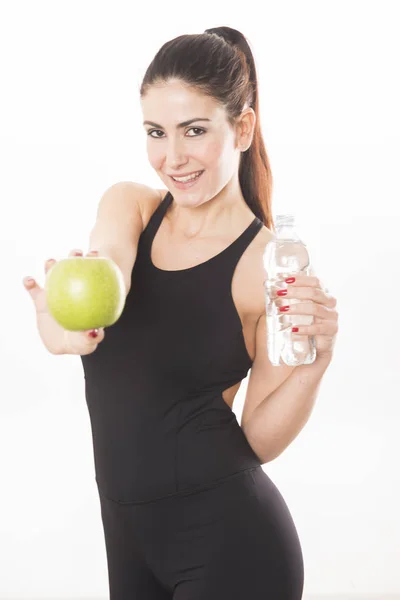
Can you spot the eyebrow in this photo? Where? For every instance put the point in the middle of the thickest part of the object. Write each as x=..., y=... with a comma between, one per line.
x=180, y=125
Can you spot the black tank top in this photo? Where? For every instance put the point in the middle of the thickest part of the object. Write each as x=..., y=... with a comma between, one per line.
x=153, y=386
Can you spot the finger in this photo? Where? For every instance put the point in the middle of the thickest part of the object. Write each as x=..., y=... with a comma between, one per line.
x=325, y=327
x=95, y=335
x=29, y=282
x=32, y=287
x=51, y=261
x=48, y=264
x=311, y=271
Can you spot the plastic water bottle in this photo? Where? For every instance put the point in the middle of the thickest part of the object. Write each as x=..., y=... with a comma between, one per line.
x=285, y=256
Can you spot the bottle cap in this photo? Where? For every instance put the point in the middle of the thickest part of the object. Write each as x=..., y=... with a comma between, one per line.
x=286, y=219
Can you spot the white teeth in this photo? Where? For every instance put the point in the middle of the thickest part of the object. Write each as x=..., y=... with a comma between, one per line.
x=188, y=178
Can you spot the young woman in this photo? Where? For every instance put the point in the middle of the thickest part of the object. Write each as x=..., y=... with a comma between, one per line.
x=187, y=510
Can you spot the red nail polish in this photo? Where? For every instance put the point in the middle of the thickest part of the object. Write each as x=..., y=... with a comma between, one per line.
x=281, y=293
x=284, y=308
x=290, y=280
x=295, y=329
x=94, y=333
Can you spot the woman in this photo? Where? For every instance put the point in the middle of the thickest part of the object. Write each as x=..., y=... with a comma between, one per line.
x=187, y=510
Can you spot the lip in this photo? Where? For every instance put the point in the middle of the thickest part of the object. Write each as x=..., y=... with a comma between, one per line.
x=183, y=174
x=188, y=184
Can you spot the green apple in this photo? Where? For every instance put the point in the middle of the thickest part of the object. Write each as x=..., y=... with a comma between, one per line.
x=85, y=292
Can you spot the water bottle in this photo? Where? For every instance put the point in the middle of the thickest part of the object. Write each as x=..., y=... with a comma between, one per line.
x=285, y=256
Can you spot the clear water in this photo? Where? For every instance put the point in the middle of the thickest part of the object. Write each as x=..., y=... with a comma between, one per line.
x=282, y=259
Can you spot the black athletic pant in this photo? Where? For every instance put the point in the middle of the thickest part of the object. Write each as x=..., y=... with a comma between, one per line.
x=232, y=540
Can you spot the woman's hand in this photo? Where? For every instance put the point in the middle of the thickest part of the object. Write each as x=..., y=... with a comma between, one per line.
x=322, y=307
x=55, y=338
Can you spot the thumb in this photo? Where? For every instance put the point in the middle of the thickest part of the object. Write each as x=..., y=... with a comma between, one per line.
x=36, y=292
x=32, y=287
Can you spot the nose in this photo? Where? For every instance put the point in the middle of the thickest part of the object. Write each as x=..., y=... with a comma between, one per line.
x=175, y=154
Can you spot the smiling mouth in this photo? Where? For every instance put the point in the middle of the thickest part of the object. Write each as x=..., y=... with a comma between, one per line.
x=183, y=185
x=188, y=178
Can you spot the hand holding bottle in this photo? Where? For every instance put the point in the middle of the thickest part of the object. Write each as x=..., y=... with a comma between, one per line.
x=294, y=296
x=313, y=300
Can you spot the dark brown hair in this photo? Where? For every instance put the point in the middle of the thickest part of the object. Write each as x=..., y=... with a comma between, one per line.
x=220, y=64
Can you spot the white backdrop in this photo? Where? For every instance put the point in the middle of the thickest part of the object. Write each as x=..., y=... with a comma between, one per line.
x=70, y=126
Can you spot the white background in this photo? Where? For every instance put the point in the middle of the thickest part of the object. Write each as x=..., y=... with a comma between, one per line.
x=70, y=126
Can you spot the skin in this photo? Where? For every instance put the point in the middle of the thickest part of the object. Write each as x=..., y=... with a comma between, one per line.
x=205, y=219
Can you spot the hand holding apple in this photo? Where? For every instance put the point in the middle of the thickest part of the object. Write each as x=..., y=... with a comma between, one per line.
x=55, y=338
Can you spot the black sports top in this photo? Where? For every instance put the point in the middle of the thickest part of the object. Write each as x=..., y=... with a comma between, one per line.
x=160, y=425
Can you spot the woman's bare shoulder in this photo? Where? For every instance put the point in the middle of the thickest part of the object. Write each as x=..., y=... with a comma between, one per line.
x=162, y=193
x=150, y=199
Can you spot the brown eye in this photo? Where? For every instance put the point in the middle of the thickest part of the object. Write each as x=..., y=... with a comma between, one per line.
x=196, y=129
x=151, y=131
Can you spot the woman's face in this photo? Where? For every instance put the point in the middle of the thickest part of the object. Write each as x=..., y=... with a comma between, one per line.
x=173, y=149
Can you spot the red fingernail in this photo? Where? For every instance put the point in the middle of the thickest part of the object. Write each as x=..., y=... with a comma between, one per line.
x=290, y=280
x=281, y=293
x=284, y=308
x=295, y=329
x=94, y=333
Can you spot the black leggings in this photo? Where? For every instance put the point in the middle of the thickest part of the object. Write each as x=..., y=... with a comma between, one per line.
x=232, y=540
